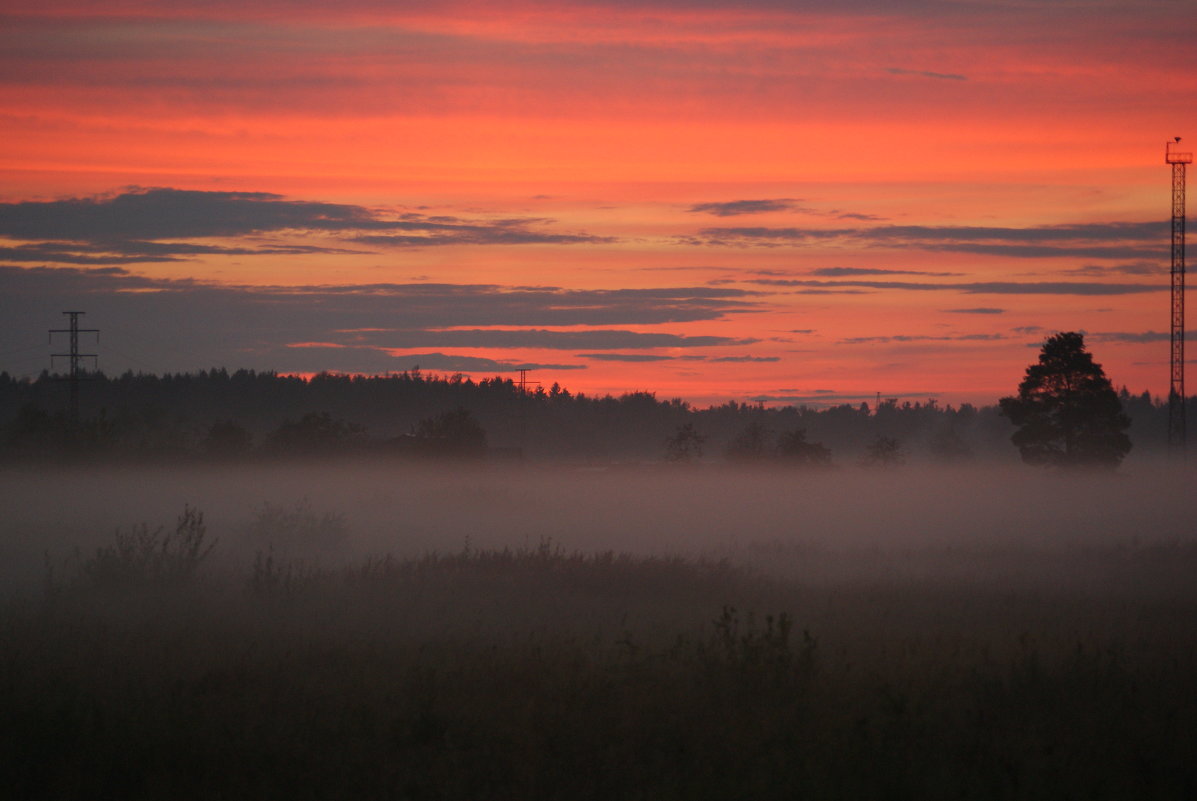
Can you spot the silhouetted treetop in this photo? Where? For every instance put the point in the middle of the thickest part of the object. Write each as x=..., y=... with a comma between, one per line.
x=1066, y=410
x=751, y=444
x=227, y=439
x=794, y=448
x=684, y=445
x=884, y=451
x=451, y=433
x=314, y=433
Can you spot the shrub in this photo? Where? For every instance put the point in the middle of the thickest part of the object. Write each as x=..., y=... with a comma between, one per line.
x=140, y=557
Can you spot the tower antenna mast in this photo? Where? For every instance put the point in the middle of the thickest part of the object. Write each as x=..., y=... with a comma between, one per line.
x=75, y=358
x=1176, y=393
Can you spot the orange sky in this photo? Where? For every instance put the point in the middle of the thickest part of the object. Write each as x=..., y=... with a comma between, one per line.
x=714, y=201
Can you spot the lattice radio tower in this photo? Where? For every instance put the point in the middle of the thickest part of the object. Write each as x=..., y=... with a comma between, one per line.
x=1176, y=394
x=75, y=358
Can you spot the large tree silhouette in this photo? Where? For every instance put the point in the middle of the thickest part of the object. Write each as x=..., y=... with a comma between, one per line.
x=1066, y=411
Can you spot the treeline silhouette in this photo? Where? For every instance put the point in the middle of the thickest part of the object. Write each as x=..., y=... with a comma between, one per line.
x=217, y=414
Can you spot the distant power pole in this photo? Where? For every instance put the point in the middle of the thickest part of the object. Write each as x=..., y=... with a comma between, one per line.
x=75, y=357
x=1176, y=394
x=524, y=383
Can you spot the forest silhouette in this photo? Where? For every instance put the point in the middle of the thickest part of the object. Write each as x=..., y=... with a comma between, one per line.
x=217, y=414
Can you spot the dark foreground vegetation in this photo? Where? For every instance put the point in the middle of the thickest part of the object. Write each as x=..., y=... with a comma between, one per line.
x=151, y=668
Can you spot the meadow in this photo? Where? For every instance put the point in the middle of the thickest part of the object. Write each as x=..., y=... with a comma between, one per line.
x=361, y=630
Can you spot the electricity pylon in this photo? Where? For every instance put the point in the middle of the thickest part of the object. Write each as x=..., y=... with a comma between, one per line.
x=75, y=357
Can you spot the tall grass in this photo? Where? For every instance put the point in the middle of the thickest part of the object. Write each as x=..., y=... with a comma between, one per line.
x=136, y=558
x=541, y=673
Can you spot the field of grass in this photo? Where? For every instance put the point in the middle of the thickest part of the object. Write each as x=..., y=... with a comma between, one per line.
x=191, y=660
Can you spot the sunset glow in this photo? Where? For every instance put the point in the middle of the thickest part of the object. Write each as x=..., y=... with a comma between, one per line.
x=785, y=202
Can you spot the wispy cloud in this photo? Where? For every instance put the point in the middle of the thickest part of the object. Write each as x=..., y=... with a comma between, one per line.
x=1135, y=337
x=902, y=338
x=735, y=208
x=314, y=357
x=745, y=359
x=433, y=232
x=602, y=339
x=142, y=252
x=1134, y=268
x=421, y=305
x=946, y=76
x=1051, y=251
x=128, y=227
x=969, y=288
x=173, y=214
x=838, y=272
x=449, y=362
x=833, y=291
x=627, y=357
x=1114, y=240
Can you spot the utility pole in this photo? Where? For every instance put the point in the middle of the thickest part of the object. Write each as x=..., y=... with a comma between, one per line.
x=524, y=382
x=1176, y=393
x=75, y=357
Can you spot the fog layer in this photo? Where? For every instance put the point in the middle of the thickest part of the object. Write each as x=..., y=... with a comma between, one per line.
x=810, y=524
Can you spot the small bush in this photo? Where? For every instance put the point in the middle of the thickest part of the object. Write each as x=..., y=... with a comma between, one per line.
x=139, y=557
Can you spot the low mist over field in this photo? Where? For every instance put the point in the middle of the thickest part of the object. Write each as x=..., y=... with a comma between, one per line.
x=341, y=511
x=361, y=629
